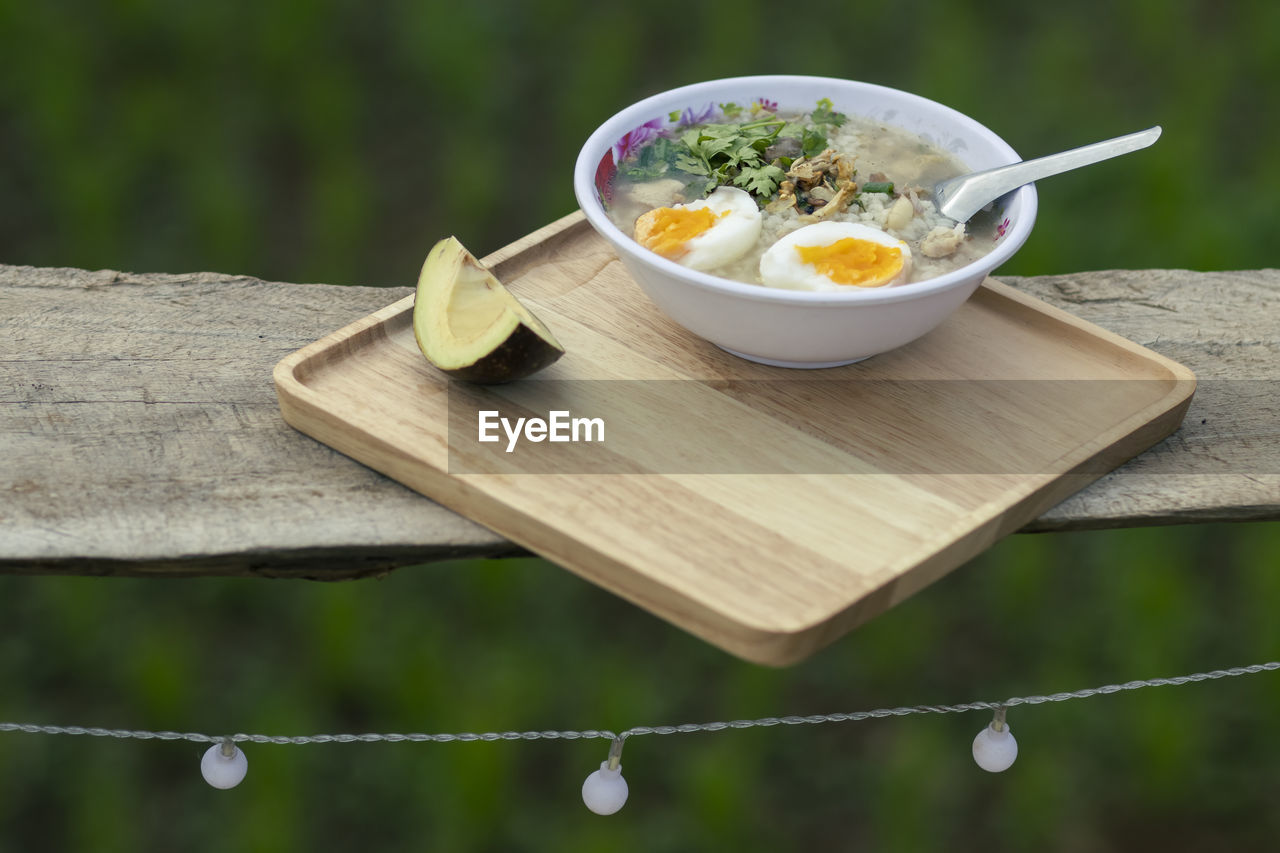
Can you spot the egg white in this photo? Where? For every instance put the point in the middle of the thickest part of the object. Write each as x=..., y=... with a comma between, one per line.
x=730, y=237
x=782, y=267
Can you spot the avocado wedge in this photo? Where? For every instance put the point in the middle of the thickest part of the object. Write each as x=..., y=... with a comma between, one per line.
x=471, y=327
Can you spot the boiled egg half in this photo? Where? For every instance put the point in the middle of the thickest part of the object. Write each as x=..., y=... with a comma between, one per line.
x=835, y=256
x=703, y=234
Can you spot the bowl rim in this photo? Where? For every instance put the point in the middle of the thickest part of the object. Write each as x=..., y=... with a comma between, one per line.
x=661, y=103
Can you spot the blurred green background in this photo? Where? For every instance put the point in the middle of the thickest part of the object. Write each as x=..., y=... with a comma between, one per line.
x=336, y=141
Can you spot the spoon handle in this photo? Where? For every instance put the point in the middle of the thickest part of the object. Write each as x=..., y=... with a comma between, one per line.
x=962, y=197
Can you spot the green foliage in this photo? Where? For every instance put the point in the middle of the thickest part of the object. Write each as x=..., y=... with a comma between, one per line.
x=519, y=644
x=337, y=141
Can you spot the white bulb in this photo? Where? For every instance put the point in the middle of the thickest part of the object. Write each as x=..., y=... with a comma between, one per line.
x=995, y=751
x=605, y=791
x=223, y=771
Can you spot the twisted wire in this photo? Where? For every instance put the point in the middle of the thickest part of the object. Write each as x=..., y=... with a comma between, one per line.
x=686, y=728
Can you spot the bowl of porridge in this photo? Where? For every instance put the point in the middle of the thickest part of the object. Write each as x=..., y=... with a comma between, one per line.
x=789, y=220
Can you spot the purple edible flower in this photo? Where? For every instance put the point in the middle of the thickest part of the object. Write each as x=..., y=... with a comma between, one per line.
x=767, y=105
x=631, y=142
x=689, y=117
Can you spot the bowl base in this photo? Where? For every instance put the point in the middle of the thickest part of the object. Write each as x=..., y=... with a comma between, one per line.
x=802, y=365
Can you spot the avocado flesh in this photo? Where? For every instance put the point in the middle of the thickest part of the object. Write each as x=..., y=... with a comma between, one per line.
x=470, y=326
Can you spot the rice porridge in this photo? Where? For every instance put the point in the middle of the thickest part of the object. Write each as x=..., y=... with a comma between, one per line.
x=726, y=189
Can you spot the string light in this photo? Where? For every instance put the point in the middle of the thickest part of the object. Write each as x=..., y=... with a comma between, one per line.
x=994, y=748
x=224, y=765
x=605, y=791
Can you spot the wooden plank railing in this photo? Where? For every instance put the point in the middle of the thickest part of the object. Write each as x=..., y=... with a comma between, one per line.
x=139, y=430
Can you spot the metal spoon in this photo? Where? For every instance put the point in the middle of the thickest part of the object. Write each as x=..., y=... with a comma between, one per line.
x=962, y=197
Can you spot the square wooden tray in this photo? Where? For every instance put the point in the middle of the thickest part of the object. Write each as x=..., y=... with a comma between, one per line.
x=852, y=488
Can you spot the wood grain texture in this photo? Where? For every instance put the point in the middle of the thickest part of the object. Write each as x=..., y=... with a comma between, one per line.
x=1224, y=463
x=766, y=510
x=140, y=433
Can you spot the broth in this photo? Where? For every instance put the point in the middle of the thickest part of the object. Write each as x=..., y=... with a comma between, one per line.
x=869, y=173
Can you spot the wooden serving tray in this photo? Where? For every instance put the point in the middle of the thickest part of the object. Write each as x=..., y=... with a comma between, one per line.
x=828, y=496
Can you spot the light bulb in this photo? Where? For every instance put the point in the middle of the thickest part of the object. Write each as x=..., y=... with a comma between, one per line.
x=995, y=749
x=605, y=791
x=224, y=765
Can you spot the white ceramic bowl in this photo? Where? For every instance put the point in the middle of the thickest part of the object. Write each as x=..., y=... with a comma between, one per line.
x=802, y=328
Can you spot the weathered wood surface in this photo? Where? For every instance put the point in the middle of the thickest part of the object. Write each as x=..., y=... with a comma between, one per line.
x=140, y=433
x=1224, y=463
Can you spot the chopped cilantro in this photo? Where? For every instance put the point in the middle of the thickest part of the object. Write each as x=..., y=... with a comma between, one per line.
x=826, y=114
x=812, y=142
x=653, y=160
x=731, y=151
x=760, y=180
x=724, y=153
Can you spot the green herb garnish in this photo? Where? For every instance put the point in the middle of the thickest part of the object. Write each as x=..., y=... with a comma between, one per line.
x=826, y=114
x=760, y=180
x=733, y=153
x=653, y=161
x=878, y=187
x=812, y=142
x=718, y=154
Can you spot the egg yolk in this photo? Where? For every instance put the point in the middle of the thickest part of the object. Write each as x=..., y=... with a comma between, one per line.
x=666, y=230
x=862, y=263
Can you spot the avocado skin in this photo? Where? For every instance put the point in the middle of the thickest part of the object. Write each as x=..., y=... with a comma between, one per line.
x=522, y=354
